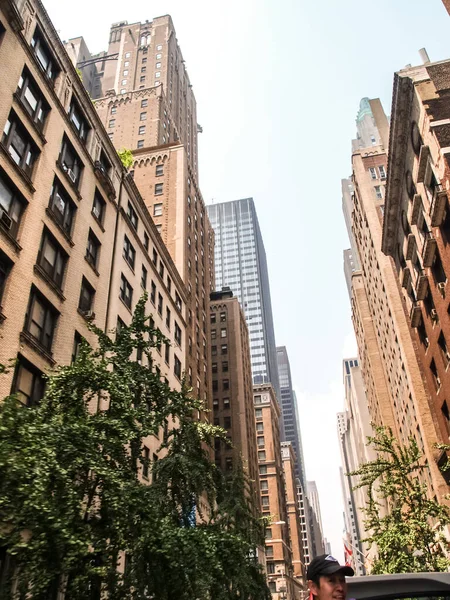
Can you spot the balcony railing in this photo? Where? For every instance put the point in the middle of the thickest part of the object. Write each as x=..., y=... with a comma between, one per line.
x=406, y=277
x=438, y=206
x=410, y=246
x=421, y=285
x=102, y=175
x=416, y=209
x=415, y=314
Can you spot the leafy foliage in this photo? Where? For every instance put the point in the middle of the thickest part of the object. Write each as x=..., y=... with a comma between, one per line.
x=126, y=156
x=74, y=509
x=405, y=524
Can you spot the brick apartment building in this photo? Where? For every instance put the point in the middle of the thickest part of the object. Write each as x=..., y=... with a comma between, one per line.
x=146, y=103
x=77, y=242
x=416, y=229
x=280, y=573
x=397, y=395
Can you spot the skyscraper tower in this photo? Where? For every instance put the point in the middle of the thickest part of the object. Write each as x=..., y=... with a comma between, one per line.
x=240, y=264
x=289, y=412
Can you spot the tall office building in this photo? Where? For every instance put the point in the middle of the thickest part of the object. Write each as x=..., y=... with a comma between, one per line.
x=395, y=387
x=289, y=412
x=145, y=100
x=240, y=264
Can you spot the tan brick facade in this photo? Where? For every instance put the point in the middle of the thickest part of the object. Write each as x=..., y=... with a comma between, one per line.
x=416, y=232
x=76, y=240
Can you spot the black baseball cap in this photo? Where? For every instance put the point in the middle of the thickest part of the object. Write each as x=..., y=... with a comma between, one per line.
x=325, y=564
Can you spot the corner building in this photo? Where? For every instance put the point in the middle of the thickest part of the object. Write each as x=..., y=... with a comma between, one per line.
x=416, y=229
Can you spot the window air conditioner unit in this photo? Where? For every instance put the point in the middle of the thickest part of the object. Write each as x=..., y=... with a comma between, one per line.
x=441, y=288
x=71, y=175
x=433, y=314
x=5, y=219
x=89, y=314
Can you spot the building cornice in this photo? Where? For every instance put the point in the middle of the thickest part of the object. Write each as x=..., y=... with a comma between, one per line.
x=402, y=97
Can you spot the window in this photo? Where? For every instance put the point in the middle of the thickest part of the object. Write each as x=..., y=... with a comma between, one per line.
x=41, y=319
x=223, y=317
x=140, y=144
x=263, y=470
x=146, y=240
x=12, y=205
x=167, y=353
x=124, y=82
x=32, y=99
x=382, y=171
x=160, y=303
x=437, y=380
x=215, y=386
x=177, y=367
x=223, y=333
x=126, y=291
x=260, y=441
x=161, y=269
x=142, y=130
x=224, y=349
x=158, y=74
x=158, y=189
x=168, y=315
x=92, y=249
x=51, y=258
x=225, y=366
x=98, y=207
x=144, y=103
x=261, y=455
x=61, y=207
x=214, y=367
x=373, y=173
x=227, y=422
x=132, y=215
x=127, y=55
x=265, y=501
x=43, y=55
x=142, y=80
x=29, y=383
x=5, y=268
x=19, y=144
x=159, y=170
x=270, y=567
x=177, y=334
x=213, y=318
x=146, y=463
x=169, y=284
x=87, y=294
x=158, y=65
x=144, y=277
x=226, y=403
x=143, y=116
x=113, y=110
x=153, y=292
x=444, y=349
x=258, y=411
x=129, y=253
x=70, y=162
x=268, y=534
x=378, y=192
x=155, y=257
x=144, y=60
x=213, y=334
x=158, y=56
x=123, y=91
x=78, y=120
x=178, y=302
x=259, y=427
x=157, y=209
x=112, y=123
x=143, y=69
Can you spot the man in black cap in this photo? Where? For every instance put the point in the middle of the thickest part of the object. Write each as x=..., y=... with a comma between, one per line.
x=326, y=578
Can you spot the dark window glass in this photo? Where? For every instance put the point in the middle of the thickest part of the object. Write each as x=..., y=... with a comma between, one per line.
x=146, y=240
x=92, y=249
x=77, y=338
x=62, y=207
x=12, y=205
x=29, y=383
x=144, y=277
x=126, y=291
x=87, y=294
x=224, y=348
x=70, y=162
x=160, y=304
x=146, y=463
x=159, y=170
x=153, y=293
x=32, y=99
x=132, y=215
x=177, y=334
x=155, y=257
x=167, y=353
x=158, y=189
x=177, y=367
x=5, y=268
x=52, y=258
x=129, y=253
x=43, y=55
x=78, y=120
x=19, y=144
x=98, y=208
x=41, y=319
x=225, y=366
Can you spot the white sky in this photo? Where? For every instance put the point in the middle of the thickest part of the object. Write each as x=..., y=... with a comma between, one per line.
x=278, y=84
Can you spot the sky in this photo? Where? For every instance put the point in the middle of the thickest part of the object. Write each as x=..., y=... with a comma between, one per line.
x=278, y=84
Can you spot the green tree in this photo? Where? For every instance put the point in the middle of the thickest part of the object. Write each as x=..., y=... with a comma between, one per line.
x=404, y=523
x=126, y=156
x=73, y=507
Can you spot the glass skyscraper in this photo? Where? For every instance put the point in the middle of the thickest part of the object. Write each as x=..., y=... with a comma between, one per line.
x=240, y=264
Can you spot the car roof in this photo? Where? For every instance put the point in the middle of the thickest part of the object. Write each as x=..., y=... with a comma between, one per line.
x=398, y=585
